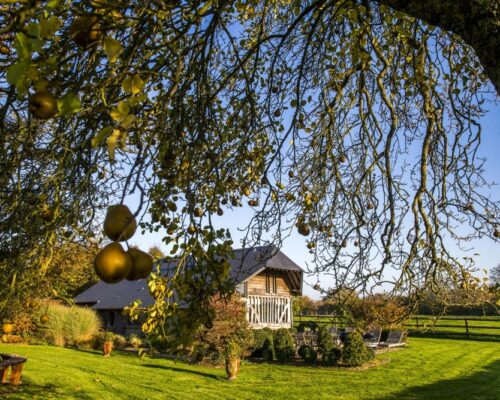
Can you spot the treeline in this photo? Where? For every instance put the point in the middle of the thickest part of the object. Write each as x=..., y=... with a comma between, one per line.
x=391, y=308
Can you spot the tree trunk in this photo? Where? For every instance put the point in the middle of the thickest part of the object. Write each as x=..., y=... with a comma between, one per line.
x=477, y=22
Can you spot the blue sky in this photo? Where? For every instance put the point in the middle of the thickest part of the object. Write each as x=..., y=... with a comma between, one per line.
x=295, y=246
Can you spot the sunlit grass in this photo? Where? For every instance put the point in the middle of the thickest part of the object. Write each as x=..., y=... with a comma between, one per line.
x=428, y=369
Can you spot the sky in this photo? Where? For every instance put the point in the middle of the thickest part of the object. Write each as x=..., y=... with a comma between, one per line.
x=486, y=250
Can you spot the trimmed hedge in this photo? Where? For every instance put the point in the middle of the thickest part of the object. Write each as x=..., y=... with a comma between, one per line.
x=263, y=339
x=284, y=345
x=310, y=325
x=308, y=354
x=355, y=352
x=332, y=356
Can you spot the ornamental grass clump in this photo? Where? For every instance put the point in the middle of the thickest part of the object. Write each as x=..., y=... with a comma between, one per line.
x=69, y=326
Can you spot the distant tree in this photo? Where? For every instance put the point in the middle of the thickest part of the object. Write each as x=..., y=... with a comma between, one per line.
x=303, y=304
x=156, y=253
x=495, y=276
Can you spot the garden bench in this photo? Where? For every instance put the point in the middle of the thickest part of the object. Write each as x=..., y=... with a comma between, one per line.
x=15, y=363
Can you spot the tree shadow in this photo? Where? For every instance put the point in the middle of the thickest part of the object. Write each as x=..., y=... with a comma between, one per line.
x=484, y=385
x=28, y=390
x=184, y=370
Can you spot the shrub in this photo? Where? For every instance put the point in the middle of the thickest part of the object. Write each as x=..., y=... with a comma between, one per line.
x=308, y=354
x=325, y=339
x=307, y=325
x=284, y=345
x=229, y=325
x=269, y=354
x=12, y=339
x=69, y=326
x=120, y=342
x=332, y=356
x=355, y=352
x=262, y=339
x=135, y=341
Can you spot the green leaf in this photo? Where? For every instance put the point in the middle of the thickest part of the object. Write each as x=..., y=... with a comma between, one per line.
x=127, y=84
x=120, y=111
x=111, y=143
x=133, y=84
x=98, y=139
x=16, y=75
x=137, y=84
x=21, y=44
x=113, y=49
x=128, y=121
x=49, y=26
x=69, y=104
x=53, y=4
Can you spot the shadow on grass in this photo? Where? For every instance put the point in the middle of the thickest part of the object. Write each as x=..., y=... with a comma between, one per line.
x=184, y=370
x=481, y=385
x=29, y=390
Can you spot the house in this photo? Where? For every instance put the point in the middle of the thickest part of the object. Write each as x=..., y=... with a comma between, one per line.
x=264, y=276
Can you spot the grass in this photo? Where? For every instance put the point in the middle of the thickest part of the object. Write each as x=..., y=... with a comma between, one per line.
x=428, y=369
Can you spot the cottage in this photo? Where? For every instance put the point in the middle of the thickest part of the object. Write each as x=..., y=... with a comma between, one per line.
x=264, y=276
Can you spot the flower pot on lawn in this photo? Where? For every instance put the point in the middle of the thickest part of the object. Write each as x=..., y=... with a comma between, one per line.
x=107, y=347
x=7, y=328
x=232, y=367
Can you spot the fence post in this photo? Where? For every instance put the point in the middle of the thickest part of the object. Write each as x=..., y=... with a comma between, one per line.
x=466, y=326
x=416, y=320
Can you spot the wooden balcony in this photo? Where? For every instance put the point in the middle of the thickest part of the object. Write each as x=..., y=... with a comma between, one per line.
x=269, y=311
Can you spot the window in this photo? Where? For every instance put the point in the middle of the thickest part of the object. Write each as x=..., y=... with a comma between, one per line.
x=271, y=284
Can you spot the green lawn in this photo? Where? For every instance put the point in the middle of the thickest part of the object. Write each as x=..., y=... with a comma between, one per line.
x=428, y=369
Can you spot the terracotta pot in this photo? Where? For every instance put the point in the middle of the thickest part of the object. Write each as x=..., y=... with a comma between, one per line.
x=232, y=368
x=7, y=328
x=107, y=347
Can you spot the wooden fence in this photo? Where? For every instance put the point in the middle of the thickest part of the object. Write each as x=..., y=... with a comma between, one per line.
x=464, y=326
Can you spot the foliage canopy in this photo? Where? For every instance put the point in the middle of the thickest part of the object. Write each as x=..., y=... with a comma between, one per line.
x=349, y=120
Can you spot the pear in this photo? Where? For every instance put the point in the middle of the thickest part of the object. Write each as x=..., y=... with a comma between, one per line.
x=303, y=229
x=142, y=264
x=43, y=105
x=112, y=264
x=119, y=223
x=85, y=30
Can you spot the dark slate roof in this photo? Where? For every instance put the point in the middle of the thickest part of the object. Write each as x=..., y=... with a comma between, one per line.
x=246, y=263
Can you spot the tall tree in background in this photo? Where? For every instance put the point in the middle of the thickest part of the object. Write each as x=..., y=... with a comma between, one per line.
x=495, y=276
x=354, y=122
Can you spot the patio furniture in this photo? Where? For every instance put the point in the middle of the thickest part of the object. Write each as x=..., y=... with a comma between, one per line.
x=372, y=339
x=15, y=363
x=395, y=339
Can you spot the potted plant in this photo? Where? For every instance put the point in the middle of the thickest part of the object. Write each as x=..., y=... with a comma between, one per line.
x=233, y=354
x=7, y=327
x=107, y=346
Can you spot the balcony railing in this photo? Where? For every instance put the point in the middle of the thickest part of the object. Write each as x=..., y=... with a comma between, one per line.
x=269, y=311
